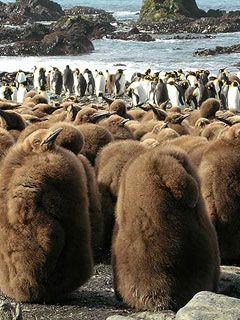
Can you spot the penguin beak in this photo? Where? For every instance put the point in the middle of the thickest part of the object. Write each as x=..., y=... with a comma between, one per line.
x=164, y=125
x=98, y=116
x=180, y=119
x=122, y=123
x=160, y=114
x=53, y=136
x=164, y=105
x=227, y=122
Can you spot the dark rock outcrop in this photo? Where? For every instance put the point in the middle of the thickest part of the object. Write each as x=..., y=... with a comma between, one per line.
x=94, y=27
x=55, y=43
x=218, y=50
x=36, y=10
x=34, y=32
x=157, y=9
x=69, y=35
x=88, y=11
x=207, y=25
x=133, y=34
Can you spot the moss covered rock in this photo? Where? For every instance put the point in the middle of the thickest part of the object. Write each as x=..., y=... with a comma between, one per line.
x=157, y=9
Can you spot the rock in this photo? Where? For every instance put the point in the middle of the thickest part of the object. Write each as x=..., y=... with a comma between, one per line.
x=100, y=13
x=9, y=311
x=208, y=25
x=210, y=306
x=215, y=13
x=134, y=30
x=66, y=43
x=36, y=10
x=218, y=50
x=230, y=281
x=164, y=315
x=157, y=9
x=55, y=43
x=190, y=37
x=94, y=27
x=141, y=36
x=34, y=32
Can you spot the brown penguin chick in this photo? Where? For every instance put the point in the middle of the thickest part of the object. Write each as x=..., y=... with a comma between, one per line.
x=137, y=114
x=212, y=131
x=219, y=173
x=70, y=137
x=30, y=94
x=225, y=114
x=6, y=141
x=119, y=107
x=207, y=110
x=155, y=114
x=166, y=134
x=194, y=146
x=150, y=143
x=230, y=133
x=155, y=131
x=175, y=109
x=144, y=128
x=30, y=129
x=44, y=221
x=199, y=126
x=84, y=116
x=12, y=122
x=95, y=210
x=39, y=98
x=95, y=138
x=64, y=115
x=109, y=165
x=8, y=105
x=233, y=78
x=44, y=108
x=234, y=119
x=116, y=125
x=164, y=246
x=29, y=105
x=176, y=122
x=30, y=119
x=27, y=100
x=133, y=125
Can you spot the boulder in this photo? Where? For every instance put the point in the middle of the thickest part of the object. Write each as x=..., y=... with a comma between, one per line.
x=210, y=306
x=66, y=43
x=163, y=315
x=94, y=27
x=35, y=10
x=130, y=36
x=217, y=51
x=230, y=281
x=157, y=9
x=100, y=13
x=39, y=10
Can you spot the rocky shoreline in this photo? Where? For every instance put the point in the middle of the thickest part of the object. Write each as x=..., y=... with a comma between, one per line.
x=43, y=28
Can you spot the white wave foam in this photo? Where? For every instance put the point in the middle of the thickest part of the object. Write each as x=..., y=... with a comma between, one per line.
x=125, y=15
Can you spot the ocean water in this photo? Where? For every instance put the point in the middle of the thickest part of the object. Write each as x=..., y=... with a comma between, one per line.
x=163, y=54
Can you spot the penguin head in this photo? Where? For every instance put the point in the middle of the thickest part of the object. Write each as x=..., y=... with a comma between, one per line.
x=116, y=121
x=41, y=140
x=235, y=84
